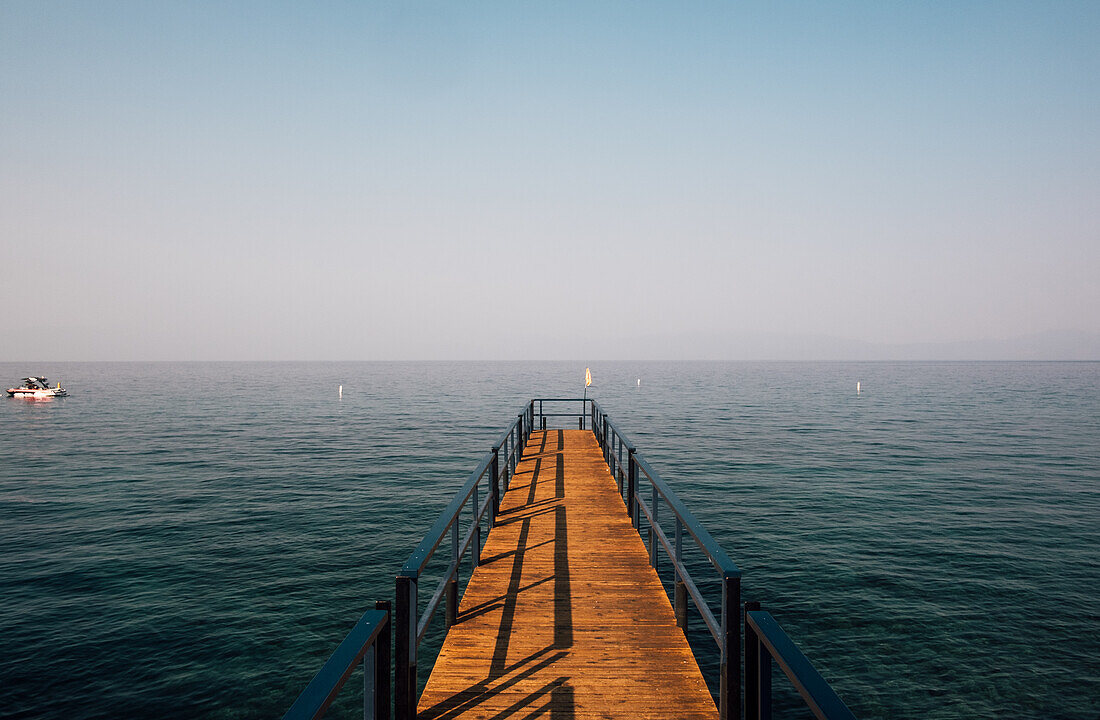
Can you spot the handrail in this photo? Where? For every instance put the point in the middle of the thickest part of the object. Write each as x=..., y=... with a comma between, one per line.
x=725, y=630
x=714, y=552
x=411, y=624
x=368, y=641
x=423, y=552
x=452, y=569
x=542, y=414
x=704, y=609
x=765, y=640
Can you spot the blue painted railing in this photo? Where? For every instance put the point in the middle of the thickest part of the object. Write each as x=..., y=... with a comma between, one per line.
x=369, y=642
x=818, y=694
x=766, y=641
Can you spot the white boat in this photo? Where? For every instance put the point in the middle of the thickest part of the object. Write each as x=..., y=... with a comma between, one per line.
x=37, y=388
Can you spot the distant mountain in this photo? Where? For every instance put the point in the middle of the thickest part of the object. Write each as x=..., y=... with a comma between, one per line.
x=1040, y=346
x=768, y=346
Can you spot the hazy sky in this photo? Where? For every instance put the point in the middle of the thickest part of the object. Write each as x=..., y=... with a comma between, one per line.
x=406, y=180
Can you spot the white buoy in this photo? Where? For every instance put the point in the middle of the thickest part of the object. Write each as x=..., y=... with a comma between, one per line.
x=858, y=391
x=639, y=382
x=341, y=391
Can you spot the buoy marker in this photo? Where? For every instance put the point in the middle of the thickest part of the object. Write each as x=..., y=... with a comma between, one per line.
x=341, y=391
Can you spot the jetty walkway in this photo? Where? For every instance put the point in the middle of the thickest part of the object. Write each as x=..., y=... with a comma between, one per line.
x=564, y=614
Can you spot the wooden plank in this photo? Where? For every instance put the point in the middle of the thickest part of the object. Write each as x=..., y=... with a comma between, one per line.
x=565, y=618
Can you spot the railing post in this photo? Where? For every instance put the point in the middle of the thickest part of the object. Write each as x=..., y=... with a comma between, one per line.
x=681, y=589
x=619, y=469
x=475, y=556
x=729, y=695
x=752, y=666
x=515, y=447
x=511, y=453
x=380, y=682
x=405, y=619
x=612, y=464
x=764, y=695
x=370, y=693
x=452, y=582
x=631, y=485
x=630, y=471
x=619, y=462
x=522, y=440
x=494, y=489
x=653, y=529
x=507, y=462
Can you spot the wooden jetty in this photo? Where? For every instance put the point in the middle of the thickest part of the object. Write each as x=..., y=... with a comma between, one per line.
x=564, y=615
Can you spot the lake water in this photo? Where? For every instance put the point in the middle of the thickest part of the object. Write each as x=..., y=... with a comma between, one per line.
x=194, y=539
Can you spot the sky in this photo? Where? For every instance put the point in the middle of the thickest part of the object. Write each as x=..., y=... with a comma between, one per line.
x=520, y=180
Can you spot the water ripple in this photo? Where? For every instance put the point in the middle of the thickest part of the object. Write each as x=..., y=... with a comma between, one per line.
x=933, y=544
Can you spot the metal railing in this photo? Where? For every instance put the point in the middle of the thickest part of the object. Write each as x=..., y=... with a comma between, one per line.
x=765, y=641
x=369, y=642
x=410, y=624
x=538, y=408
x=725, y=629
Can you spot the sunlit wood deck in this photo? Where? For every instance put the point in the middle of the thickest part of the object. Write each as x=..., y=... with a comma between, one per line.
x=564, y=618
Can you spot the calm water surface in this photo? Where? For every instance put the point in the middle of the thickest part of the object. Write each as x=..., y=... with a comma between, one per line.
x=193, y=539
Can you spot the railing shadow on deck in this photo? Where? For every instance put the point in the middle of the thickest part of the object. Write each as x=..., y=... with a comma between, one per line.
x=764, y=639
x=555, y=698
x=496, y=469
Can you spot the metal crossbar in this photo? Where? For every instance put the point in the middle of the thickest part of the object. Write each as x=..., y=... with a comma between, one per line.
x=682, y=576
x=369, y=642
x=765, y=641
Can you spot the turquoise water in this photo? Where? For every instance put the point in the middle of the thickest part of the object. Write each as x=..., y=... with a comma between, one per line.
x=192, y=540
